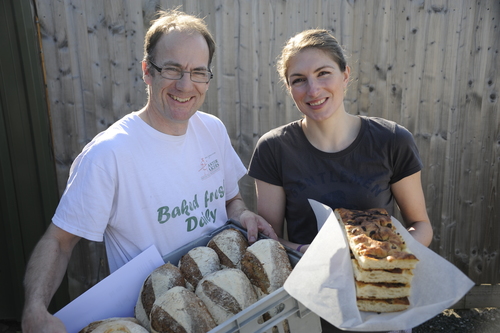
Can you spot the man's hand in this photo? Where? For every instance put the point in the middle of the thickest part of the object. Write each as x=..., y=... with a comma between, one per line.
x=254, y=224
x=42, y=322
x=237, y=211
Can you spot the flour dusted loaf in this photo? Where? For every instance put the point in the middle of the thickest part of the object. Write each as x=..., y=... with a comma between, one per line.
x=156, y=284
x=226, y=293
x=266, y=265
x=179, y=310
x=115, y=325
x=382, y=263
x=198, y=263
x=230, y=245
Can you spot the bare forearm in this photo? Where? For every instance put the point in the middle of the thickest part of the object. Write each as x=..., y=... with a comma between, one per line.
x=44, y=272
x=235, y=207
x=422, y=232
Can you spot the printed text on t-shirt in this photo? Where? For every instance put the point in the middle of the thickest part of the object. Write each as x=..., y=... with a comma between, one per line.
x=186, y=208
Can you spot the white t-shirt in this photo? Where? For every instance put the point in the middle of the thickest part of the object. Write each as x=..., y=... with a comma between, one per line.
x=137, y=186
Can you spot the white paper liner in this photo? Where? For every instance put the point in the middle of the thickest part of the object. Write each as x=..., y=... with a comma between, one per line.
x=323, y=281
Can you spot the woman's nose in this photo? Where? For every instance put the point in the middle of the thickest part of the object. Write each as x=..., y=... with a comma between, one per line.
x=312, y=87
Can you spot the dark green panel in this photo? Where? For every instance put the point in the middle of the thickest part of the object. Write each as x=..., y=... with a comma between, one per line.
x=28, y=194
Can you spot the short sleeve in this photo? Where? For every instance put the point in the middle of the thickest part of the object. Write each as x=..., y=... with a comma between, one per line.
x=263, y=164
x=405, y=155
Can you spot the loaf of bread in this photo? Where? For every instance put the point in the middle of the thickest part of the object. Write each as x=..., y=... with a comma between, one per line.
x=383, y=305
x=156, y=284
x=374, y=241
x=115, y=325
x=179, y=310
x=381, y=262
x=266, y=265
x=230, y=245
x=382, y=290
x=226, y=293
x=198, y=263
x=396, y=275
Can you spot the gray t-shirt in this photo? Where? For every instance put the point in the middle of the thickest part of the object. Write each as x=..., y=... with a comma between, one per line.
x=358, y=177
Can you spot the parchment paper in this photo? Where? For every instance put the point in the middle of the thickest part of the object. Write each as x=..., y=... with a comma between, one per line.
x=323, y=281
x=115, y=296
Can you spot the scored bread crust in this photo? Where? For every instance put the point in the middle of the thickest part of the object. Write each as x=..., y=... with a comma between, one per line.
x=230, y=245
x=198, y=263
x=159, y=281
x=179, y=310
x=226, y=293
x=267, y=266
x=374, y=241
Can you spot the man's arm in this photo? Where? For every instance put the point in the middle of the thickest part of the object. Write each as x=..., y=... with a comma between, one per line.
x=253, y=223
x=44, y=273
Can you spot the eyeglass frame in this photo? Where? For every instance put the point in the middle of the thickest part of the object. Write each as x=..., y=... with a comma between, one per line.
x=159, y=69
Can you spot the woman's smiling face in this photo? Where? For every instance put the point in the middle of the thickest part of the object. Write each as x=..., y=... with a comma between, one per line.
x=316, y=83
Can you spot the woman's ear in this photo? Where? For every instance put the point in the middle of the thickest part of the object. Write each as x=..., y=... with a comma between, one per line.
x=347, y=75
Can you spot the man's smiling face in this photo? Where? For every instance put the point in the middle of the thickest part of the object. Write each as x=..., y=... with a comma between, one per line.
x=177, y=100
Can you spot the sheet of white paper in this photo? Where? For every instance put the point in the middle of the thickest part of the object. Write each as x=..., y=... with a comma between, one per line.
x=114, y=296
x=327, y=272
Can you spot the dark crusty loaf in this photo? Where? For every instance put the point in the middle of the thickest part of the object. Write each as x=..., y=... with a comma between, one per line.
x=230, y=245
x=156, y=284
x=197, y=263
x=179, y=310
x=226, y=293
x=115, y=325
x=267, y=266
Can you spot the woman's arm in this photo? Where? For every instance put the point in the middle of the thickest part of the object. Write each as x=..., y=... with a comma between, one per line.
x=411, y=201
x=271, y=200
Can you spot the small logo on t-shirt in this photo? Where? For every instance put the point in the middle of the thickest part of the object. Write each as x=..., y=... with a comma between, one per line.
x=209, y=166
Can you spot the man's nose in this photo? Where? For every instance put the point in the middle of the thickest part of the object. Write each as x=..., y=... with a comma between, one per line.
x=184, y=82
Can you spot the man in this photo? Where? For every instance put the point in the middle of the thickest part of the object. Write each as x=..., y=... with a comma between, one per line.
x=163, y=175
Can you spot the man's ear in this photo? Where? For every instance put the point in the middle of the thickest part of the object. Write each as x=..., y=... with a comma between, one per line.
x=146, y=75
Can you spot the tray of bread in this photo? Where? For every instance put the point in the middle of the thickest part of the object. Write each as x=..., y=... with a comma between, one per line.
x=219, y=284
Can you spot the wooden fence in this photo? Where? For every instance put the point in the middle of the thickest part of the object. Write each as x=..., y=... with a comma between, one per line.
x=432, y=66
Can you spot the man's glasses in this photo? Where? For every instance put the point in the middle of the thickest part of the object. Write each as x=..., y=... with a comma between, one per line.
x=175, y=73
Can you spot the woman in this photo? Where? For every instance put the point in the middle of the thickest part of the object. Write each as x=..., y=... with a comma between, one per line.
x=333, y=157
